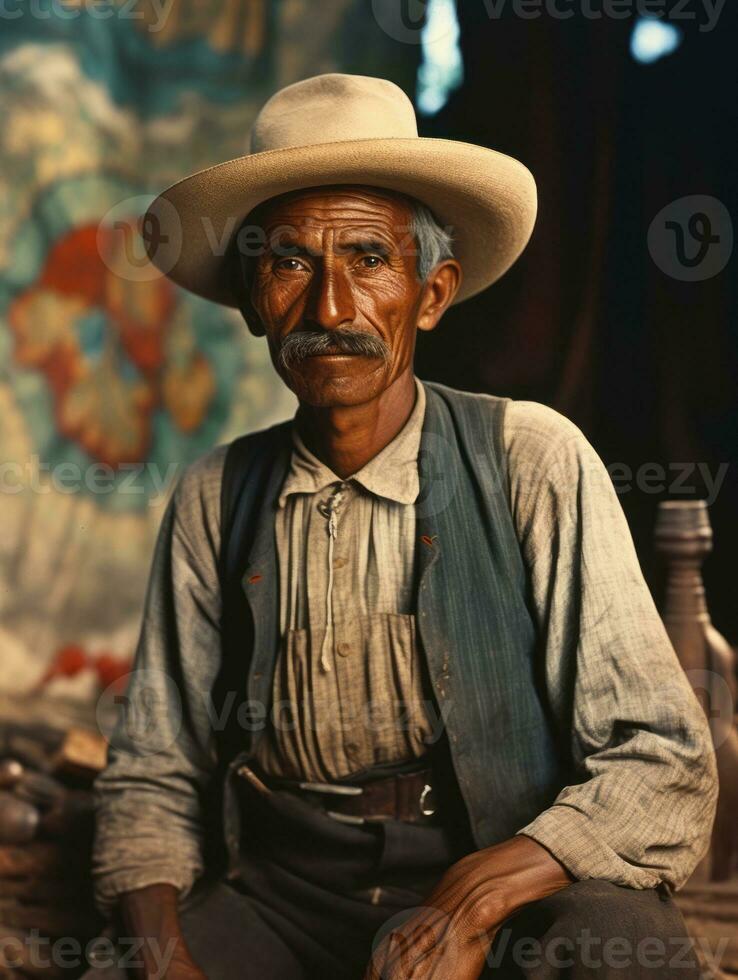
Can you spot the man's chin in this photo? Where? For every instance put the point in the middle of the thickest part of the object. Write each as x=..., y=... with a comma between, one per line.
x=328, y=381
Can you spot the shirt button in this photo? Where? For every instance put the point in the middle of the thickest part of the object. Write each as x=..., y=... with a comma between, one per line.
x=339, y=562
x=344, y=649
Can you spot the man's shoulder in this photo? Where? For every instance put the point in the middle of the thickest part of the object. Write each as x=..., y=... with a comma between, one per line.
x=201, y=479
x=541, y=450
x=549, y=457
x=529, y=428
x=462, y=398
x=535, y=428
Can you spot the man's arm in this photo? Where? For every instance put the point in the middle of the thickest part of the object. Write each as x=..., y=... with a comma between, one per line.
x=640, y=805
x=151, y=915
x=161, y=757
x=641, y=802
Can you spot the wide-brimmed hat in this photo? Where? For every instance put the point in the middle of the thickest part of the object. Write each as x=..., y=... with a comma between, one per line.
x=344, y=129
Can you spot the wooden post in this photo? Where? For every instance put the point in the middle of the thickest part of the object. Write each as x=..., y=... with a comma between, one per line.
x=684, y=537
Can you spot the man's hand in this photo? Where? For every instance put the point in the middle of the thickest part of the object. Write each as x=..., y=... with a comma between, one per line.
x=451, y=935
x=151, y=917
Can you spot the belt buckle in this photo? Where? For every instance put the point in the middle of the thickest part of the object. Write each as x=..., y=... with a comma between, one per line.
x=425, y=809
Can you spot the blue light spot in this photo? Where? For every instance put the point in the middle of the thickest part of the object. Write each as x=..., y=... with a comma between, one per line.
x=442, y=68
x=653, y=39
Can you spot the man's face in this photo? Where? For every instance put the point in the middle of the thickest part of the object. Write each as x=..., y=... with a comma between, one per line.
x=338, y=262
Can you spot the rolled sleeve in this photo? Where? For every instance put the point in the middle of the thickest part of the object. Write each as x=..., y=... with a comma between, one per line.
x=150, y=798
x=640, y=803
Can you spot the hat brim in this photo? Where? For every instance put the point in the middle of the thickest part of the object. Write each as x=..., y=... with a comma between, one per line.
x=486, y=199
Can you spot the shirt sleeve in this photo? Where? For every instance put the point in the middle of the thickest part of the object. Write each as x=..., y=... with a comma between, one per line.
x=161, y=757
x=640, y=805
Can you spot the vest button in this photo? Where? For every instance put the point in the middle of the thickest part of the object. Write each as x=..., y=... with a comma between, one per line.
x=344, y=649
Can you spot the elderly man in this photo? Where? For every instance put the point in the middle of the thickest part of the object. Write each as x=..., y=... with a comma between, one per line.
x=403, y=638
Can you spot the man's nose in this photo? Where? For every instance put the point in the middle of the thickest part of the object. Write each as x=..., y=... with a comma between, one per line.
x=331, y=300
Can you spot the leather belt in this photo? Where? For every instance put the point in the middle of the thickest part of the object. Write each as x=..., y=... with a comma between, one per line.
x=407, y=796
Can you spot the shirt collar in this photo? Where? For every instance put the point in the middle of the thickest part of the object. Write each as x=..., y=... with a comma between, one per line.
x=392, y=473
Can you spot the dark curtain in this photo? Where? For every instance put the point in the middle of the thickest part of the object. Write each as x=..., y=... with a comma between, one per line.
x=586, y=321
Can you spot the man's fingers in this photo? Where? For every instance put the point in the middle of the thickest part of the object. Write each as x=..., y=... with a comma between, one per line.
x=411, y=945
x=392, y=943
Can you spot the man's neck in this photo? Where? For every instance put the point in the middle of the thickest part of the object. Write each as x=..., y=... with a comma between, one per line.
x=345, y=438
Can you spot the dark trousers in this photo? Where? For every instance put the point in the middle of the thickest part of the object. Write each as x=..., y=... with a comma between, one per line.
x=314, y=896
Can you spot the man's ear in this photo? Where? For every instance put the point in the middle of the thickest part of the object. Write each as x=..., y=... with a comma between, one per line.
x=439, y=291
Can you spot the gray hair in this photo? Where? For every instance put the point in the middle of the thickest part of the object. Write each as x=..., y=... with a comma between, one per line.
x=434, y=243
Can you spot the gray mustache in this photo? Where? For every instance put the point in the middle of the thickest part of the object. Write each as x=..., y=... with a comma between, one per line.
x=300, y=344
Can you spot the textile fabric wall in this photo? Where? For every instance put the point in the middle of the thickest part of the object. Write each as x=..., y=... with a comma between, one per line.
x=112, y=379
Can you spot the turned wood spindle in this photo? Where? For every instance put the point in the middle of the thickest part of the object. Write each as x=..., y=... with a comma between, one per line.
x=684, y=537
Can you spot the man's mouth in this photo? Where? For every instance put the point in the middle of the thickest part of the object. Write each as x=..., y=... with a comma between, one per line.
x=334, y=352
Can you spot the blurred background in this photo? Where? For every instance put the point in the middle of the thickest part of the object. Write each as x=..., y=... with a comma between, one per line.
x=621, y=313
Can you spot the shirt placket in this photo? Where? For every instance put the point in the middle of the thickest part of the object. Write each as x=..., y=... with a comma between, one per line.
x=330, y=509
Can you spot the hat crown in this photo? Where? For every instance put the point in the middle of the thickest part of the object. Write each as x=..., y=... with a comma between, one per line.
x=333, y=108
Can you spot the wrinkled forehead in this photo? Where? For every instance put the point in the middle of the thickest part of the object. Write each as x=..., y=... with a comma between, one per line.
x=335, y=207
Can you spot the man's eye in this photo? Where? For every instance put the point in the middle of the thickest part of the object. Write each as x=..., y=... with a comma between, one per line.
x=289, y=265
x=371, y=261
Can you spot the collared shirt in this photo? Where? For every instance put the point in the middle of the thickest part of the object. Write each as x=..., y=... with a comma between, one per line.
x=641, y=809
x=348, y=682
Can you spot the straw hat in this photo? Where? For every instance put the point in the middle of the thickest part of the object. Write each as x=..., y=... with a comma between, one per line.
x=344, y=129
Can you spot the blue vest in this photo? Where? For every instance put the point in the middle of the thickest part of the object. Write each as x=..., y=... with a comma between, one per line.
x=472, y=613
